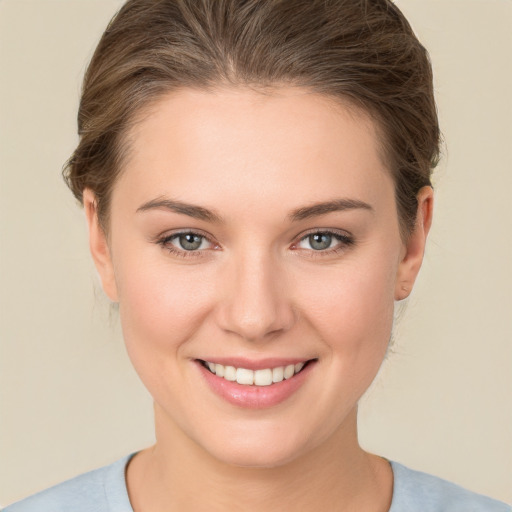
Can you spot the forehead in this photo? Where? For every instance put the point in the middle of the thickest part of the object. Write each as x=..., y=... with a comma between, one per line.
x=245, y=145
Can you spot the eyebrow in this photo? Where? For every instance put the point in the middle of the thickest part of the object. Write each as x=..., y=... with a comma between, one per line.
x=336, y=205
x=197, y=212
x=306, y=212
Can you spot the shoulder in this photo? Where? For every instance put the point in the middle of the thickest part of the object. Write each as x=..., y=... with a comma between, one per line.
x=100, y=490
x=415, y=491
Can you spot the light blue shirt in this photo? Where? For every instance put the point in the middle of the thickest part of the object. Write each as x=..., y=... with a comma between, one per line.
x=104, y=490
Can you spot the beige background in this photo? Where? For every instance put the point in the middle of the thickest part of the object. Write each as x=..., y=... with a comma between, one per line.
x=69, y=400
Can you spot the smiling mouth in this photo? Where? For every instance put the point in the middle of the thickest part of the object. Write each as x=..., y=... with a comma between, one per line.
x=263, y=377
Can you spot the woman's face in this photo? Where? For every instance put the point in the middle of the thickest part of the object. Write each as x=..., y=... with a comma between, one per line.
x=254, y=231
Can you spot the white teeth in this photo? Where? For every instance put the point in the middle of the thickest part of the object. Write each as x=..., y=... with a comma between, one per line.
x=265, y=377
x=289, y=371
x=219, y=370
x=230, y=373
x=244, y=376
x=278, y=374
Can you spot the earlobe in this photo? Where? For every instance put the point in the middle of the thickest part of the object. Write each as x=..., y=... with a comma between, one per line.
x=98, y=245
x=414, y=250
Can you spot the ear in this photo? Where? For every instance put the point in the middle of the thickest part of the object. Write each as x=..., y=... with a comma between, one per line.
x=98, y=245
x=412, y=255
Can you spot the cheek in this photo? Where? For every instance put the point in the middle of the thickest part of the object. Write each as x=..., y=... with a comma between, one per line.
x=161, y=305
x=352, y=307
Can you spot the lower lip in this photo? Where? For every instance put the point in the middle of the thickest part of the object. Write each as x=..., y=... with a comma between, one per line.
x=255, y=397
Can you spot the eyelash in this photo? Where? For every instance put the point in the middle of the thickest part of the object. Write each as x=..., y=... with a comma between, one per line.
x=165, y=243
x=345, y=241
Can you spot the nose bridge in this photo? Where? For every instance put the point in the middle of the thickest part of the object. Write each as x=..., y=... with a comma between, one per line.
x=257, y=304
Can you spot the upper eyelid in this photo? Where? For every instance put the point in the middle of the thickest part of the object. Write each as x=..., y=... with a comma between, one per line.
x=335, y=231
x=330, y=231
x=300, y=236
x=170, y=236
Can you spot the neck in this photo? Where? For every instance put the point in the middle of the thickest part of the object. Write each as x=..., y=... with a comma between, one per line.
x=178, y=474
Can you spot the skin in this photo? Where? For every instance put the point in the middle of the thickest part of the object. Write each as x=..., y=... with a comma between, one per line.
x=256, y=288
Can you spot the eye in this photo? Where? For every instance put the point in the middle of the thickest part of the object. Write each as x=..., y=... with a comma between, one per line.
x=189, y=241
x=319, y=241
x=325, y=242
x=186, y=243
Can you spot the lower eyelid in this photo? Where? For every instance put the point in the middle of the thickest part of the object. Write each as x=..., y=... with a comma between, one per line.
x=341, y=238
x=168, y=242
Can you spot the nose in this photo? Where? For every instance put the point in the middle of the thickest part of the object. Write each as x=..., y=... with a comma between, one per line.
x=255, y=304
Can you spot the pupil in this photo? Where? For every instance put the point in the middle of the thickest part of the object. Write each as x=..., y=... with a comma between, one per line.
x=190, y=241
x=320, y=241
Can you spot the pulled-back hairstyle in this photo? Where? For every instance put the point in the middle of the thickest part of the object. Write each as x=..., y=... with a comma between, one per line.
x=363, y=52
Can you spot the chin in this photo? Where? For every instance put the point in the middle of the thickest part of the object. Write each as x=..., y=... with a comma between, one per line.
x=256, y=456
x=266, y=446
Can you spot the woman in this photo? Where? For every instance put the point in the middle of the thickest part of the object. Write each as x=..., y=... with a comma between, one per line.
x=256, y=180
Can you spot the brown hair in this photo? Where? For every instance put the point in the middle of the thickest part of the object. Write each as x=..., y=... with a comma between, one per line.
x=363, y=51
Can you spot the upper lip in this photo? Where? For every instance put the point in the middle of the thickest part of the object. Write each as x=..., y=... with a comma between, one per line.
x=252, y=364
